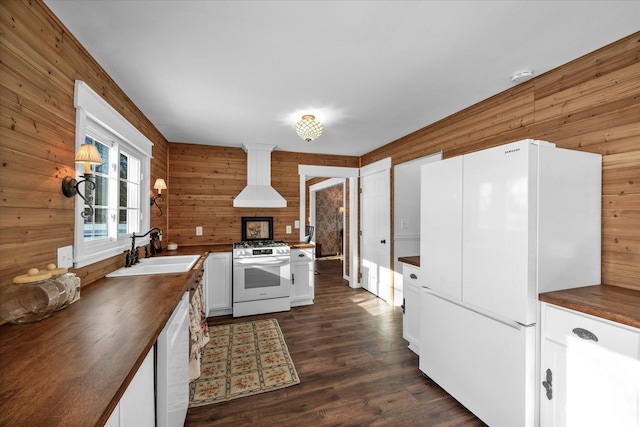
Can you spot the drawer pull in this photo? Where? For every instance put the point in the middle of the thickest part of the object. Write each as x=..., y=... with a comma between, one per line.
x=413, y=276
x=585, y=335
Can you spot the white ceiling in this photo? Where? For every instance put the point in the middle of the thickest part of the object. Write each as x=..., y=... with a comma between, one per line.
x=234, y=72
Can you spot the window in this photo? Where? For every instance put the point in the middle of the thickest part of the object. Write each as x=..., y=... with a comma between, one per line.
x=120, y=206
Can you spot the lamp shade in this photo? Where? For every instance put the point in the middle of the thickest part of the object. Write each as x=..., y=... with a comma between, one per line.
x=160, y=185
x=88, y=154
x=308, y=128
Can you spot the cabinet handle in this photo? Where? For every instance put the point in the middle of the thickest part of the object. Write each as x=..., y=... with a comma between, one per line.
x=548, y=385
x=293, y=279
x=413, y=276
x=300, y=255
x=383, y=241
x=403, y=302
x=585, y=335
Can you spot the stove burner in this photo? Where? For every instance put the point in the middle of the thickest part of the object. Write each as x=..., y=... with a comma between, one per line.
x=258, y=244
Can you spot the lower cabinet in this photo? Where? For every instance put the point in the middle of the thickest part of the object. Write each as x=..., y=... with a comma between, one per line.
x=590, y=370
x=137, y=405
x=411, y=306
x=217, y=271
x=302, y=276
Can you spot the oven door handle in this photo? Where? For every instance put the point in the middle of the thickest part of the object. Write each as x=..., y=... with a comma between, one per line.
x=255, y=263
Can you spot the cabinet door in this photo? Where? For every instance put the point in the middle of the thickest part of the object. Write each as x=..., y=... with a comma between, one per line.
x=594, y=370
x=411, y=319
x=300, y=280
x=441, y=226
x=137, y=405
x=302, y=277
x=218, y=282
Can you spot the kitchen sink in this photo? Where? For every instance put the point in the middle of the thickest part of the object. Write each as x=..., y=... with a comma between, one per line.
x=158, y=265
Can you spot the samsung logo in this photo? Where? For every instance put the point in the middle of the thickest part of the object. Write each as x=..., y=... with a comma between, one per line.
x=512, y=151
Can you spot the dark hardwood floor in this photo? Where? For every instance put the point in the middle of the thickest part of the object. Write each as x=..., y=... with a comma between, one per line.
x=355, y=369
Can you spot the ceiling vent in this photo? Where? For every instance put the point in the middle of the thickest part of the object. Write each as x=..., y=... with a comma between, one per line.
x=259, y=193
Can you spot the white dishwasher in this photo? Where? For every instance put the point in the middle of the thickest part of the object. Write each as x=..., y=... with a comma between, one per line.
x=172, y=372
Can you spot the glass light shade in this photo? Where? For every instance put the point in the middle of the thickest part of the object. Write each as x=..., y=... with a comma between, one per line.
x=88, y=154
x=160, y=185
x=308, y=128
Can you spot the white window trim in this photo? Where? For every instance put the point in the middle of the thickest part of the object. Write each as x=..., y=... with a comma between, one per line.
x=91, y=107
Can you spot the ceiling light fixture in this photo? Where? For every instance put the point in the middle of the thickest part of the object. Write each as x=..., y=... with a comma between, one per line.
x=308, y=128
x=521, y=76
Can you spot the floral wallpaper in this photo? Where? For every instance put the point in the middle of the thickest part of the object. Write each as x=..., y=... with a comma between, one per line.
x=329, y=221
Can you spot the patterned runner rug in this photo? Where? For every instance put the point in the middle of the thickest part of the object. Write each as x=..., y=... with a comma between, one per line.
x=241, y=360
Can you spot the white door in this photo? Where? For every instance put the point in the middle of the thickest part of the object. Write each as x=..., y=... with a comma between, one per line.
x=375, y=226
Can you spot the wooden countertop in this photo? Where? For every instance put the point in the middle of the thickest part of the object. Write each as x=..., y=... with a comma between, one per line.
x=72, y=368
x=608, y=302
x=412, y=260
x=301, y=245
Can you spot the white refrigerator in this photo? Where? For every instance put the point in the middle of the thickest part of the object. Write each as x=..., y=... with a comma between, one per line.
x=499, y=226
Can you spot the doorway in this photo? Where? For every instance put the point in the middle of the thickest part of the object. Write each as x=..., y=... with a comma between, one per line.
x=350, y=241
x=327, y=216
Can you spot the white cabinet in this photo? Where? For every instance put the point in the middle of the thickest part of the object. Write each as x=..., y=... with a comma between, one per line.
x=411, y=278
x=590, y=370
x=137, y=405
x=172, y=368
x=302, y=276
x=217, y=272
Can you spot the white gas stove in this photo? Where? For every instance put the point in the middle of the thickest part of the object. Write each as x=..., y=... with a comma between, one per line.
x=261, y=277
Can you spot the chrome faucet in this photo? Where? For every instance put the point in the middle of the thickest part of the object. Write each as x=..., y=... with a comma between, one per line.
x=132, y=256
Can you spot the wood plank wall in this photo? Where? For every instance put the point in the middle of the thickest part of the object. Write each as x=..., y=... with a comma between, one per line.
x=40, y=61
x=590, y=104
x=204, y=180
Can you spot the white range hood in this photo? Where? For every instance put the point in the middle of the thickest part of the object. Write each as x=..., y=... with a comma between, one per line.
x=259, y=193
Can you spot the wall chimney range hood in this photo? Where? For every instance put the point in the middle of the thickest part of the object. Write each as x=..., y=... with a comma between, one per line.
x=259, y=193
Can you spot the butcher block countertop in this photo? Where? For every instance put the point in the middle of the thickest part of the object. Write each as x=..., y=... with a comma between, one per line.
x=72, y=368
x=411, y=260
x=608, y=302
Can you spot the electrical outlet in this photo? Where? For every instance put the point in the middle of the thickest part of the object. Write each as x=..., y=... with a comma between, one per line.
x=288, y=229
x=404, y=223
x=296, y=224
x=198, y=231
x=65, y=257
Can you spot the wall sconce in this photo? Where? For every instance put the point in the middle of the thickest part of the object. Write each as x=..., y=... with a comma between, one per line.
x=88, y=154
x=159, y=185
